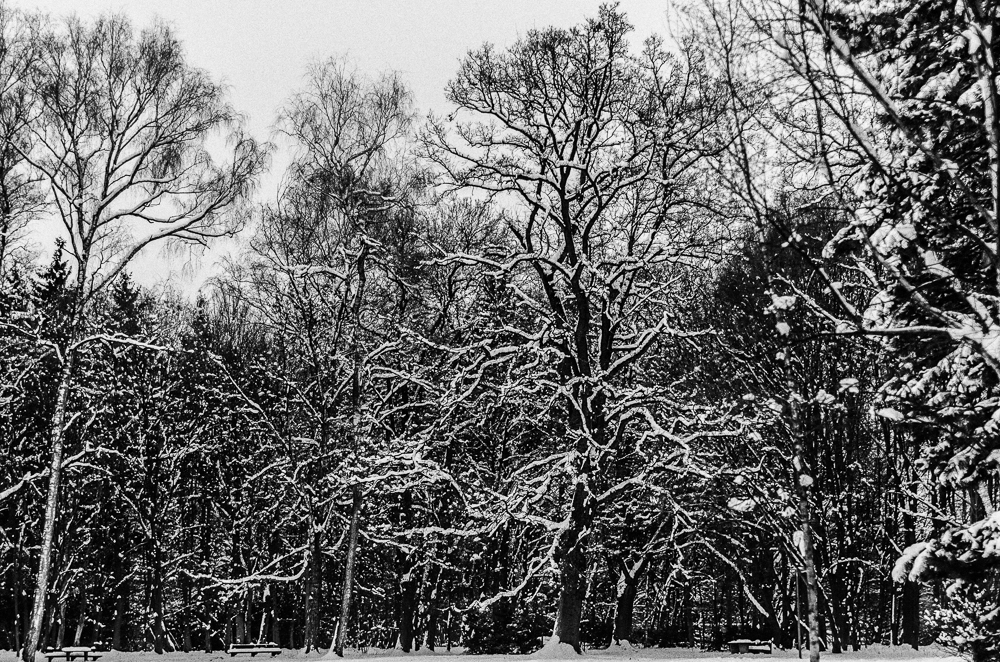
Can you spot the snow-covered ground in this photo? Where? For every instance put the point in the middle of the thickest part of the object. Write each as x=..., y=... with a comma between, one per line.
x=872, y=654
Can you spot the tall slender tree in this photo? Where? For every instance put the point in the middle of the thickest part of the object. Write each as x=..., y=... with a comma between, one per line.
x=115, y=125
x=20, y=199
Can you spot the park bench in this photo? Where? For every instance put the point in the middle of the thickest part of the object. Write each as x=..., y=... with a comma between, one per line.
x=749, y=646
x=72, y=653
x=252, y=649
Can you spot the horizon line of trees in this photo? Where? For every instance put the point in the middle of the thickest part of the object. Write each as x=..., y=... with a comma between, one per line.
x=661, y=347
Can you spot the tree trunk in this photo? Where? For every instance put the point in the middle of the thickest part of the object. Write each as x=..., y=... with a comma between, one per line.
x=186, y=643
x=16, y=589
x=624, y=610
x=573, y=590
x=275, y=625
x=627, y=588
x=911, y=614
x=803, y=482
x=407, y=609
x=50, y=628
x=121, y=603
x=157, y=603
x=911, y=590
x=432, y=574
x=571, y=557
x=61, y=633
x=241, y=628
x=82, y=622
x=808, y=557
x=310, y=633
x=207, y=641
x=352, y=548
x=57, y=438
x=432, y=628
x=356, y=387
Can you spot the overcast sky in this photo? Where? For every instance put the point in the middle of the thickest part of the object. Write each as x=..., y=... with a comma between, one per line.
x=261, y=48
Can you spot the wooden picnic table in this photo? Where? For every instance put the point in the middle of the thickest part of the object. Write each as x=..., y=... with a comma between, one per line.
x=749, y=646
x=73, y=653
x=269, y=648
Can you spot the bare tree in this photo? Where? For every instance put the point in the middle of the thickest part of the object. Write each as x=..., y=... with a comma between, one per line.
x=598, y=157
x=899, y=136
x=20, y=199
x=309, y=277
x=116, y=127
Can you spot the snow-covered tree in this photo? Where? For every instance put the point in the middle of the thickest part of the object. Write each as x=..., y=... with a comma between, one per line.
x=596, y=156
x=114, y=126
x=900, y=135
x=20, y=199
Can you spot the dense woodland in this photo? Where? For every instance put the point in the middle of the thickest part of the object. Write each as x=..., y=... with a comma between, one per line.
x=660, y=342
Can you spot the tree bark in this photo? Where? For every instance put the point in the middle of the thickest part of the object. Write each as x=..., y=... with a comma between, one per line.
x=121, y=604
x=186, y=643
x=571, y=553
x=352, y=548
x=57, y=443
x=310, y=632
x=241, y=627
x=61, y=632
x=808, y=554
x=207, y=617
x=624, y=610
x=573, y=590
x=207, y=635
x=571, y=558
x=275, y=625
x=432, y=580
x=16, y=570
x=911, y=590
x=82, y=622
x=627, y=588
x=803, y=482
x=156, y=602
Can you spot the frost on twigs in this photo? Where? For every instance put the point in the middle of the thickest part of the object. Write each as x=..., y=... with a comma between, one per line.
x=848, y=384
x=891, y=414
x=969, y=622
x=780, y=304
x=824, y=398
x=786, y=302
x=911, y=563
x=742, y=505
x=964, y=551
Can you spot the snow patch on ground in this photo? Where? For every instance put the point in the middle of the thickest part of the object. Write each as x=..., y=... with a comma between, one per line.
x=623, y=647
x=554, y=650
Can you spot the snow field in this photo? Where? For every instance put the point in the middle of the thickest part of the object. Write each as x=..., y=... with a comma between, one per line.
x=871, y=654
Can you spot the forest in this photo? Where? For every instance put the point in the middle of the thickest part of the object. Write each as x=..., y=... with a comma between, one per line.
x=651, y=341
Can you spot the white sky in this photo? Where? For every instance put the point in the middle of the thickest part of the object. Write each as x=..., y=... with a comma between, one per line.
x=260, y=49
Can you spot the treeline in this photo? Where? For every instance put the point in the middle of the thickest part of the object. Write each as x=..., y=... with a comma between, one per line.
x=665, y=347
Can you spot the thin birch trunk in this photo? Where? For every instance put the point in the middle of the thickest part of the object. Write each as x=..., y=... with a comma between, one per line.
x=356, y=387
x=803, y=483
x=352, y=546
x=57, y=443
